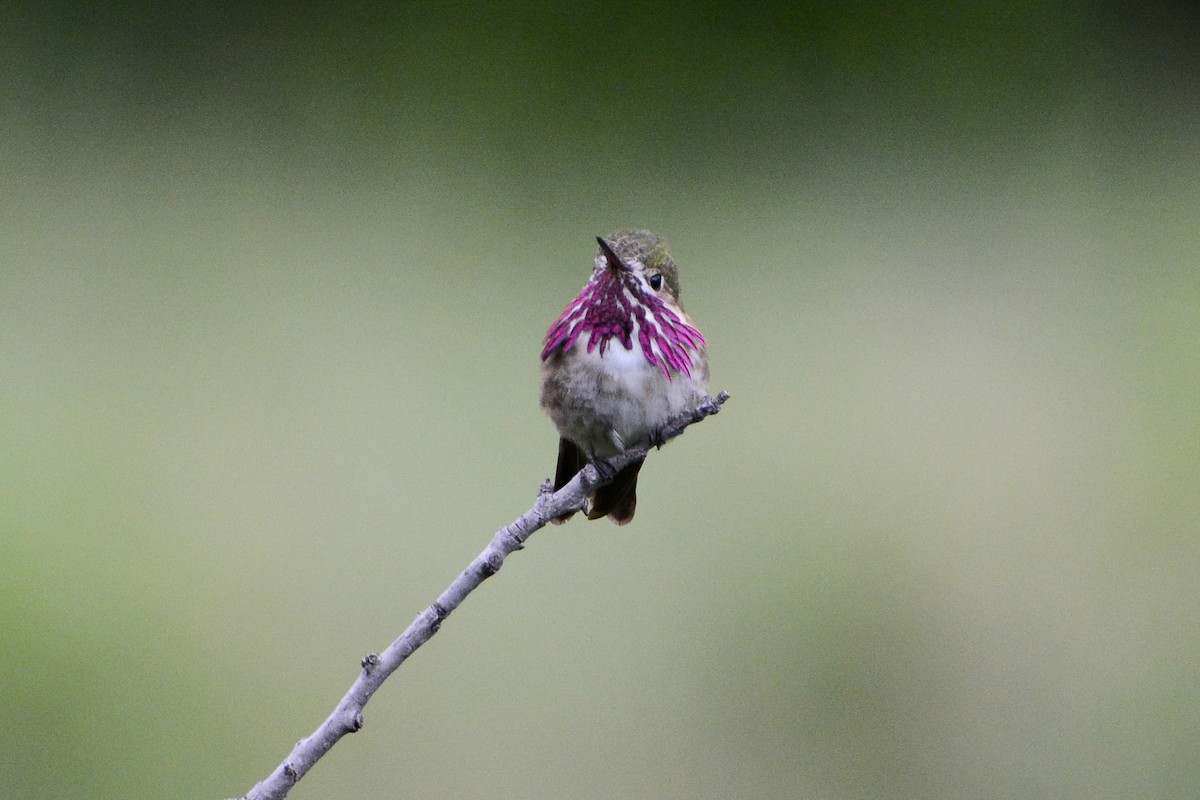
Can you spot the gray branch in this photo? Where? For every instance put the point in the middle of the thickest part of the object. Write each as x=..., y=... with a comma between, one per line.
x=348, y=716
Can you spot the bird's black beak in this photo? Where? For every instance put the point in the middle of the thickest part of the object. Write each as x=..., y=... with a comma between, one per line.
x=614, y=262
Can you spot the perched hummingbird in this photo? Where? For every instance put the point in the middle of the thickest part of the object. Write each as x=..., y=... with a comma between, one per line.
x=621, y=361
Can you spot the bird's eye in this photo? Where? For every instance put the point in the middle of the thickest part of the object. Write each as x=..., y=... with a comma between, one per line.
x=656, y=282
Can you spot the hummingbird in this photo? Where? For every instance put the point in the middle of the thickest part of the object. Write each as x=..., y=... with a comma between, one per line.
x=619, y=363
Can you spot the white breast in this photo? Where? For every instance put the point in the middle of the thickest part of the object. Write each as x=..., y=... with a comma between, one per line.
x=633, y=398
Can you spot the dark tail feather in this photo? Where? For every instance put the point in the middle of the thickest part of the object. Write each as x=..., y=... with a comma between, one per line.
x=570, y=461
x=619, y=498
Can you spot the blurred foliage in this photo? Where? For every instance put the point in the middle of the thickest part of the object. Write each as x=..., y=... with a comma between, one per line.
x=273, y=280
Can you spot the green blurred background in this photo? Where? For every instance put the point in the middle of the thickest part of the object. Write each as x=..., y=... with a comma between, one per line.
x=273, y=282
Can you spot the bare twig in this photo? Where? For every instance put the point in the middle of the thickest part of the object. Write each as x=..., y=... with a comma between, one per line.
x=348, y=716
